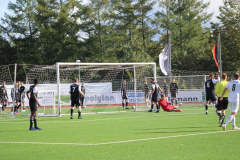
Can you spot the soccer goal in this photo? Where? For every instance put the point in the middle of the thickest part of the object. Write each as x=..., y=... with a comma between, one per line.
x=47, y=100
x=190, y=87
x=103, y=85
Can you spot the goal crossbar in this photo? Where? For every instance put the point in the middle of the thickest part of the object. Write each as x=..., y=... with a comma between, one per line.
x=134, y=65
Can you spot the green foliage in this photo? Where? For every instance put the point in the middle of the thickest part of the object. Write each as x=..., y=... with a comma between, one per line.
x=230, y=35
x=183, y=22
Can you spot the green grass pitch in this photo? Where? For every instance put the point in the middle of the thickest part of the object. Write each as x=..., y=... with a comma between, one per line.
x=122, y=135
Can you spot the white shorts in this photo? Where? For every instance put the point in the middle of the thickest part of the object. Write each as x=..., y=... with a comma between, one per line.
x=233, y=105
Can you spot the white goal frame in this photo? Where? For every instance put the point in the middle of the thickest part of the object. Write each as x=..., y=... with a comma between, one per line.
x=99, y=64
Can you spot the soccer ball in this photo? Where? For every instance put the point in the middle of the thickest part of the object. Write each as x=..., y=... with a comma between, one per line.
x=133, y=107
x=180, y=104
x=84, y=106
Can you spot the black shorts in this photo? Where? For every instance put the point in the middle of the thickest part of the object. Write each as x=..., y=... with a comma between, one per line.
x=3, y=100
x=146, y=95
x=173, y=95
x=81, y=100
x=33, y=105
x=75, y=102
x=211, y=97
x=124, y=96
x=222, y=104
x=17, y=100
x=154, y=99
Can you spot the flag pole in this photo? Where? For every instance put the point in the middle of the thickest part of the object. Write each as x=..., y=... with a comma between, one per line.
x=220, y=57
x=170, y=69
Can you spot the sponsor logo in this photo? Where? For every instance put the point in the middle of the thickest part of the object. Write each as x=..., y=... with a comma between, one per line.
x=99, y=99
x=188, y=99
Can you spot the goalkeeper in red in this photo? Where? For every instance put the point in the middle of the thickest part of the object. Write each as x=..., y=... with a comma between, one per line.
x=166, y=106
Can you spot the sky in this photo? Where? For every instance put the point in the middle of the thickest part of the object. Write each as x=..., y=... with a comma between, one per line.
x=214, y=7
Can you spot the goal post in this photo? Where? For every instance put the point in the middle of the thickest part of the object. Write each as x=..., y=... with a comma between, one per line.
x=47, y=100
x=108, y=77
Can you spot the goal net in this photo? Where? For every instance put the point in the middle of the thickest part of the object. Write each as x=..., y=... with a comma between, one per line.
x=5, y=104
x=47, y=101
x=102, y=82
x=46, y=75
x=190, y=88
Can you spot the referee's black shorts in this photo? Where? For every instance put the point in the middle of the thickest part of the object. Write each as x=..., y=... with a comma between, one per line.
x=211, y=97
x=222, y=105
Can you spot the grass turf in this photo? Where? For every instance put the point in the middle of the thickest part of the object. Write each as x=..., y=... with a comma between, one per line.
x=130, y=135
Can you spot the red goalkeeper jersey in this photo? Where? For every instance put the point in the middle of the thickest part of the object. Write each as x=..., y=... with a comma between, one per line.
x=164, y=104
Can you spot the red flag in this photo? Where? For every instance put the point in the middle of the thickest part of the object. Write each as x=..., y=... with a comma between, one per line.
x=215, y=54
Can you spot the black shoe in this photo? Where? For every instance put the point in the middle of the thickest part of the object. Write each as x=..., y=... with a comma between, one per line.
x=206, y=112
x=221, y=119
x=150, y=110
x=157, y=112
x=126, y=108
x=79, y=117
x=71, y=117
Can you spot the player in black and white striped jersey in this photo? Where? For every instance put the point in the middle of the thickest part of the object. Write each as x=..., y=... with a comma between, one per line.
x=146, y=91
x=75, y=91
x=3, y=96
x=165, y=89
x=124, y=94
x=33, y=103
x=209, y=88
x=81, y=96
x=154, y=95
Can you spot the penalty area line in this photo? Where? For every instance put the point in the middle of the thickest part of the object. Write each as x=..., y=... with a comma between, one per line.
x=117, y=142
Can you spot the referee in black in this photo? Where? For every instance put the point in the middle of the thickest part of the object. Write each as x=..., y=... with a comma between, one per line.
x=33, y=102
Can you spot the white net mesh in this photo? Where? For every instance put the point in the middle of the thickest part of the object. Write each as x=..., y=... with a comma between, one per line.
x=47, y=101
x=103, y=85
x=190, y=88
x=5, y=92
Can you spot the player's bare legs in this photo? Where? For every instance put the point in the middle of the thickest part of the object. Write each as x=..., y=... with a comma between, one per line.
x=79, y=112
x=146, y=101
x=175, y=109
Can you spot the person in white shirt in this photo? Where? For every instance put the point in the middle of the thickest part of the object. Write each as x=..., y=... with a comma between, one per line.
x=233, y=99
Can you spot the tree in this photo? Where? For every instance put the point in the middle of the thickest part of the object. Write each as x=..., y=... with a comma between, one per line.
x=22, y=30
x=184, y=19
x=230, y=35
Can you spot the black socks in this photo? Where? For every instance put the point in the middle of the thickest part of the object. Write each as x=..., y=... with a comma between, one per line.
x=206, y=107
x=35, y=122
x=31, y=122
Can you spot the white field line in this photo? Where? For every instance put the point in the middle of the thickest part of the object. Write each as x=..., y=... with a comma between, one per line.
x=117, y=142
x=106, y=118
